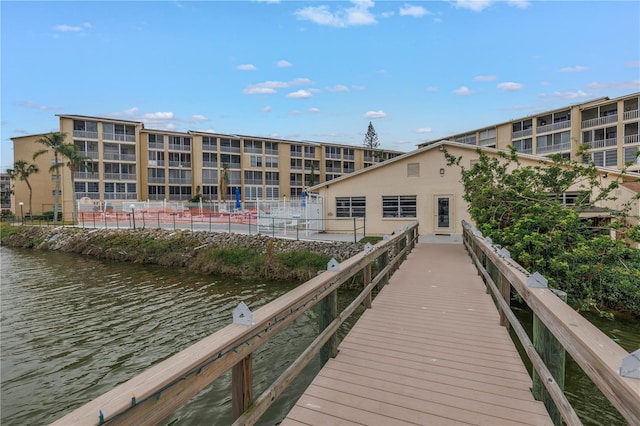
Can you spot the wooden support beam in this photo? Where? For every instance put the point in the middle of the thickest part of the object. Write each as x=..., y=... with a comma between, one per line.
x=328, y=312
x=366, y=280
x=242, y=385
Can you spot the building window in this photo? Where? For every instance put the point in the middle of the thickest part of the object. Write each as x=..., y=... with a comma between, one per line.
x=632, y=155
x=252, y=192
x=209, y=143
x=256, y=161
x=296, y=150
x=155, y=141
x=209, y=159
x=333, y=152
x=272, y=178
x=604, y=158
x=210, y=192
x=351, y=206
x=309, y=151
x=399, y=206
x=253, y=146
x=413, y=170
x=209, y=176
x=271, y=148
x=271, y=162
x=273, y=192
x=252, y=177
x=524, y=146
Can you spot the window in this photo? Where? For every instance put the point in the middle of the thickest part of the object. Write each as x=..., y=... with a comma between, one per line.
x=156, y=141
x=273, y=192
x=253, y=146
x=348, y=153
x=309, y=151
x=271, y=162
x=156, y=175
x=296, y=150
x=209, y=159
x=296, y=164
x=351, y=206
x=413, y=170
x=524, y=145
x=252, y=177
x=252, y=192
x=256, y=161
x=229, y=145
x=272, y=178
x=156, y=158
x=349, y=166
x=209, y=143
x=603, y=158
x=333, y=152
x=232, y=161
x=631, y=155
x=209, y=176
x=210, y=192
x=271, y=148
x=399, y=206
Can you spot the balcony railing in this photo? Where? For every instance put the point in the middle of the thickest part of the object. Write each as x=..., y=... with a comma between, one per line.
x=92, y=195
x=600, y=121
x=86, y=175
x=153, y=163
x=119, y=157
x=295, y=183
x=120, y=176
x=334, y=169
x=156, y=145
x=181, y=164
x=252, y=150
x=253, y=181
x=209, y=147
x=631, y=139
x=213, y=180
x=348, y=157
x=181, y=181
x=156, y=179
x=90, y=154
x=296, y=154
x=630, y=115
x=272, y=182
x=469, y=140
x=553, y=127
x=178, y=147
x=333, y=155
x=601, y=143
x=487, y=142
x=85, y=134
x=268, y=151
x=521, y=133
x=118, y=137
x=553, y=148
x=525, y=150
x=213, y=164
x=224, y=148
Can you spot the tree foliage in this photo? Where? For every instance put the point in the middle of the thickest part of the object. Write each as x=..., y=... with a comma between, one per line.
x=371, y=138
x=52, y=142
x=520, y=208
x=21, y=171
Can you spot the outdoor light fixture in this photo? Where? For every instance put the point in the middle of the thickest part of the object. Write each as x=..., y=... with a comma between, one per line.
x=441, y=172
x=21, y=204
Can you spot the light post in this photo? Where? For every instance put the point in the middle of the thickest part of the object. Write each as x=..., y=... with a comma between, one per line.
x=21, y=204
x=133, y=215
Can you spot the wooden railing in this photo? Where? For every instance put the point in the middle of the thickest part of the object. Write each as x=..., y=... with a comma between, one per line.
x=557, y=328
x=159, y=391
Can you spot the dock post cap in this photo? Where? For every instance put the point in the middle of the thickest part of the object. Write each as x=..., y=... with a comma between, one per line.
x=504, y=253
x=333, y=265
x=477, y=233
x=242, y=315
x=488, y=241
x=368, y=247
x=630, y=366
x=537, y=281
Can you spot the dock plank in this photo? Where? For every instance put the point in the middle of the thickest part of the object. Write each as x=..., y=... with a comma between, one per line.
x=429, y=351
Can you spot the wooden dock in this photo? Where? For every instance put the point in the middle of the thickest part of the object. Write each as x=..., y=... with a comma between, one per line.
x=430, y=351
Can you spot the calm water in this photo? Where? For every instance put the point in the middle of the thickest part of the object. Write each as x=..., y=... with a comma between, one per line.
x=74, y=327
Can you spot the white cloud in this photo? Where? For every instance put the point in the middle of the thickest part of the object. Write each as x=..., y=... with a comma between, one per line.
x=358, y=14
x=571, y=95
x=159, y=116
x=68, y=28
x=300, y=94
x=171, y=126
x=462, y=91
x=510, y=86
x=295, y=112
x=283, y=64
x=314, y=110
x=246, y=67
x=375, y=114
x=266, y=109
x=622, y=85
x=338, y=88
x=34, y=105
x=87, y=25
x=520, y=4
x=484, y=78
x=387, y=14
x=577, y=68
x=415, y=11
x=431, y=89
x=198, y=118
x=424, y=130
x=269, y=87
x=475, y=5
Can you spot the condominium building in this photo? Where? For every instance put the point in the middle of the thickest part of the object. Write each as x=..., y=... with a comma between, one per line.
x=5, y=191
x=126, y=161
x=609, y=128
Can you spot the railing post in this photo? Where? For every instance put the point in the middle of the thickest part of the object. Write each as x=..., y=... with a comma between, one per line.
x=383, y=261
x=366, y=280
x=553, y=355
x=328, y=312
x=242, y=386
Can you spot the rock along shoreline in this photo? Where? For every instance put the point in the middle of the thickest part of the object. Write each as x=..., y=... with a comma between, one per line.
x=242, y=255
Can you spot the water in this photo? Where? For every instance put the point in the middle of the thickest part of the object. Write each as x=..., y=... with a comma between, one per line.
x=74, y=327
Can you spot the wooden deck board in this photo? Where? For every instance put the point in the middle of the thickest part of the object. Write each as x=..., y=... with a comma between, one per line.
x=430, y=351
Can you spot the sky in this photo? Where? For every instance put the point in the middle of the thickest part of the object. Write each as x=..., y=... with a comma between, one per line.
x=311, y=70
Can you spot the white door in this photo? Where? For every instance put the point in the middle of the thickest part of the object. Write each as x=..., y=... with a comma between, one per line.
x=443, y=213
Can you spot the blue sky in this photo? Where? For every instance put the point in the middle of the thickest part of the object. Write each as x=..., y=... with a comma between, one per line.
x=314, y=70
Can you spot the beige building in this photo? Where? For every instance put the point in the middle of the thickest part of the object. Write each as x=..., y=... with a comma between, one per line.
x=610, y=128
x=419, y=186
x=126, y=161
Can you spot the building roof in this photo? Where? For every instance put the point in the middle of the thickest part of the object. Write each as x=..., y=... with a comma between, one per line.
x=100, y=118
x=634, y=186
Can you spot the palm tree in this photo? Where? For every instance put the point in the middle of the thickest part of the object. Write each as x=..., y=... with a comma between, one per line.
x=53, y=141
x=75, y=162
x=21, y=171
x=224, y=181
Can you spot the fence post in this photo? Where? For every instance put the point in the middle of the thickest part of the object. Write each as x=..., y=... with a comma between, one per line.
x=242, y=386
x=505, y=289
x=273, y=226
x=209, y=220
x=366, y=281
x=144, y=224
x=553, y=355
x=229, y=216
x=383, y=261
x=355, y=236
x=117, y=222
x=328, y=312
x=174, y=221
x=191, y=219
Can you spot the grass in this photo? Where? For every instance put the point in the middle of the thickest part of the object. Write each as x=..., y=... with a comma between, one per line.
x=7, y=229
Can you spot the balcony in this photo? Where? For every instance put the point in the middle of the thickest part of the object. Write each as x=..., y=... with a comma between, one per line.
x=179, y=147
x=209, y=147
x=525, y=151
x=227, y=148
x=118, y=137
x=521, y=133
x=156, y=179
x=85, y=134
x=296, y=154
x=268, y=151
x=602, y=143
x=212, y=180
x=553, y=148
x=154, y=163
x=553, y=127
x=120, y=196
x=274, y=182
x=86, y=175
x=180, y=164
x=487, y=142
x=296, y=183
x=600, y=121
x=333, y=170
x=213, y=164
x=92, y=195
x=253, y=181
x=119, y=157
x=90, y=154
x=348, y=157
x=631, y=115
x=333, y=155
x=156, y=145
x=180, y=181
x=120, y=176
x=631, y=139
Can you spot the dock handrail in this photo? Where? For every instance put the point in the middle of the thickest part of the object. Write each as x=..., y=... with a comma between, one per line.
x=596, y=354
x=157, y=392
